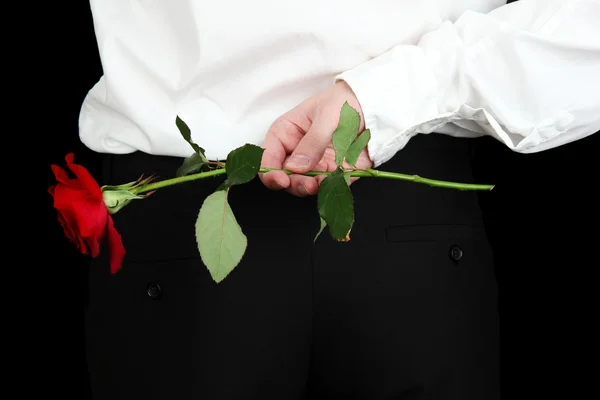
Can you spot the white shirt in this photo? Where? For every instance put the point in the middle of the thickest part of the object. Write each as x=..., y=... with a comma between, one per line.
x=526, y=73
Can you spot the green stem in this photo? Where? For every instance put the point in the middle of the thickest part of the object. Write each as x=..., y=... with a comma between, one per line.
x=431, y=182
x=176, y=181
x=366, y=173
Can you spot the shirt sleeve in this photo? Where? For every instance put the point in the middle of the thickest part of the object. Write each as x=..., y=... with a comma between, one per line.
x=527, y=73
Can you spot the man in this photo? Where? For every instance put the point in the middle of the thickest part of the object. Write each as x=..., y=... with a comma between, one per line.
x=407, y=308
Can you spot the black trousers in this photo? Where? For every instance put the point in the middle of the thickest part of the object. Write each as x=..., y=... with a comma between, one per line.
x=406, y=310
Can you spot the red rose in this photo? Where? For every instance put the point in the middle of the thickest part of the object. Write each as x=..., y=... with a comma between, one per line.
x=83, y=214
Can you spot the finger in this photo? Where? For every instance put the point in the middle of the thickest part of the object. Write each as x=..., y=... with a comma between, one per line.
x=311, y=147
x=275, y=180
x=273, y=157
x=352, y=179
x=303, y=186
x=320, y=179
x=331, y=166
x=328, y=162
x=321, y=165
x=281, y=140
x=363, y=162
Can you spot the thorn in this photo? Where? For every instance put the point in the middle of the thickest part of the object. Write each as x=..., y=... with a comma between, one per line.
x=148, y=194
x=146, y=180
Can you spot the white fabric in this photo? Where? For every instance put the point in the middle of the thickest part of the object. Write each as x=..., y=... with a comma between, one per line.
x=527, y=73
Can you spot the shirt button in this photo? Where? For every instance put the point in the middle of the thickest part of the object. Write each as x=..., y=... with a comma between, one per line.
x=456, y=253
x=154, y=290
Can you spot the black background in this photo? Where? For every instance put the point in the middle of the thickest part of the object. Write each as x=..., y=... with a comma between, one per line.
x=541, y=218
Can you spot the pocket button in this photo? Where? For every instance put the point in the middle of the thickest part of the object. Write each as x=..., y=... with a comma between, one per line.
x=154, y=290
x=456, y=253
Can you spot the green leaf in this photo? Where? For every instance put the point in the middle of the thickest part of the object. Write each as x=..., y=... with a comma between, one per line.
x=220, y=239
x=336, y=206
x=194, y=163
x=347, y=176
x=323, y=222
x=357, y=147
x=197, y=161
x=223, y=186
x=346, y=132
x=323, y=225
x=187, y=135
x=243, y=164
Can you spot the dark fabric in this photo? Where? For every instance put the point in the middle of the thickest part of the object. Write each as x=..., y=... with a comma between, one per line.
x=406, y=310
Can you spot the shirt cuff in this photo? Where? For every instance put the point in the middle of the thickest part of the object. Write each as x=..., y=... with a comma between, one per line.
x=397, y=92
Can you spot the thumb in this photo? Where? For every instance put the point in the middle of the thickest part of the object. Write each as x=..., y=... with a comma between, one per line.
x=311, y=147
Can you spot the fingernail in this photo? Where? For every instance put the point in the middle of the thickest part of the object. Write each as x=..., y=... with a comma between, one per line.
x=298, y=160
x=305, y=190
x=279, y=183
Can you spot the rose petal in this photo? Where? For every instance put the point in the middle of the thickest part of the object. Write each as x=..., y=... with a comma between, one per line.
x=115, y=246
x=81, y=209
x=60, y=174
x=72, y=235
x=85, y=178
x=66, y=228
x=93, y=243
x=83, y=215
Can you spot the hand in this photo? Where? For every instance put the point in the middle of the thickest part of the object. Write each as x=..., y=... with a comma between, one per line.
x=300, y=141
